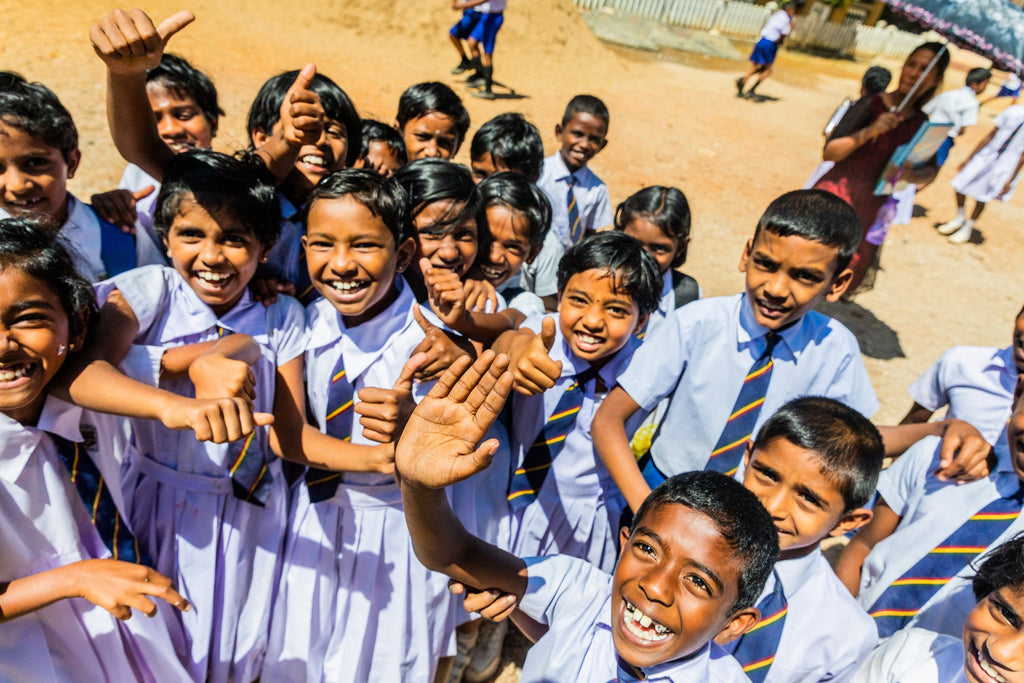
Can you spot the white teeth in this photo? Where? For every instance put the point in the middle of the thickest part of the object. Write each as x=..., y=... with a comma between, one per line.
x=489, y=272
x=645, y=621
x=11, y=374
x=314, y=160
x=346, y=286
x=212, y=277
x=639, y=624
x=587, y=339
x=988, y=668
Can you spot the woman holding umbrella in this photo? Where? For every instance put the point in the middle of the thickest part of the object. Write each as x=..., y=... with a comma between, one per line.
x=864, y=140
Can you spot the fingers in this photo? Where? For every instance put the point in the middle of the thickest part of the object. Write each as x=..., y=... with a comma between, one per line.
x=495, y=370
x=424, y=324
x=262, y=419
x=547, y=333
x=144, y=192
x=471, y=377
x=305, y=78
x=449, y=377
x=404, y=381
x=174, y=23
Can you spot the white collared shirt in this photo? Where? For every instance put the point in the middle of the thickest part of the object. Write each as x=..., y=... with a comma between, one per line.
x=82, y=231
x=703, y=353
x=959, y=107
x=915, y=655
x=777, y=26
x=150, y=248
x=591, y=193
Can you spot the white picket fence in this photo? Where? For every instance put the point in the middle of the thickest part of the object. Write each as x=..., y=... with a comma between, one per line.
x=744, y=20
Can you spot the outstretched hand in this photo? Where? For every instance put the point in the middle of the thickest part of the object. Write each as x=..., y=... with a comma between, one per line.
x=128, y=42
x=439, y=446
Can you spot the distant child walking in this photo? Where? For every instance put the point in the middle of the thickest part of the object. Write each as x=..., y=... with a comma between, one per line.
x=773, y=34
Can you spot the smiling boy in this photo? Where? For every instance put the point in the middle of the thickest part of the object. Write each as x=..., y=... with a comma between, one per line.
x=699, y=550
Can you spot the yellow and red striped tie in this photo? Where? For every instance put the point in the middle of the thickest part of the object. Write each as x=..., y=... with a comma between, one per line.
x=323, y=484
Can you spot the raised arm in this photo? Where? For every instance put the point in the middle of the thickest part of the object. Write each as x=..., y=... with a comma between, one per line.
x=612, y=445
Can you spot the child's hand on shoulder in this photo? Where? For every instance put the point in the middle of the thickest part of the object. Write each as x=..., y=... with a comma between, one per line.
x=384, y=412
x=964, y=455
x=440, y=349
x=445, y=292
x=481, y=296
x=530, y=361
x=129, y=43
x=118, y=206
x=118, y=587
x=302, y=114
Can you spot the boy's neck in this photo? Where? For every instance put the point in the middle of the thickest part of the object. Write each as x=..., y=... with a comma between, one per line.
x=797, y=553
x=568, y=166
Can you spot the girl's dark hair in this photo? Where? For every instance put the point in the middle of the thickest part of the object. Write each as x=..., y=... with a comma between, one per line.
x=1004, y=566
x=219, y=182
x=377, y=131
x=383, y=197
x=421, y=99
x=939, y=69
x=666, y=207
x=426, y=181
x=518, y=194
x=184, y=80
x=266, y=108
x=633, y=270
x=38, y=251
x=513, y=141
x=33, y=109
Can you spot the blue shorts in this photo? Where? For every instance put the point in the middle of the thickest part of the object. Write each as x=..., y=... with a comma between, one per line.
x=486, y=31
x=943, y=152
x=764, y=52
x=468, y=22
x=1006, y=92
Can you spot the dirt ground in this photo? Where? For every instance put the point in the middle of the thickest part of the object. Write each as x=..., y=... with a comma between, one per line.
x=675, y=120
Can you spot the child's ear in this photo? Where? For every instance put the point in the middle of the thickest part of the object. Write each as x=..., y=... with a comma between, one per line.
x=748, y=453
x=739, y=623
x=74, y=159
x=851, y=521
x=604, y=143
x=259, y=138
x=747, y=249
x=558, y=131
x=405, y=251
x=840, y=283
x=640, y=323
x=265, y=251
x=623, y=537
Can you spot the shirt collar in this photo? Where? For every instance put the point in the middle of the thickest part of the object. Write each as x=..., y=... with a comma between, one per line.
x=79, y=214
x=562, y=171
x=196, y=317
x=1002, y=360
x=288, y=210
x=573, y=365
x=749, y=330
x=20, y=442
x=796, y=572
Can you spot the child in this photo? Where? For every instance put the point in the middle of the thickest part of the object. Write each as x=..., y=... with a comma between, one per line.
x=698, y=552
x=432, y=120
x=508, y=142
x=479, y=28
x=925, y=531
x=68, y=557
x=814, y=466
x=382, y=150
x=959, y=107
x=579, y=199
x=797, y=257
x=772, y=36
x=987, y=646
x=39, y=153
x=562, y=499
x=1010, y=88
x=990, y=172
x=353, y=603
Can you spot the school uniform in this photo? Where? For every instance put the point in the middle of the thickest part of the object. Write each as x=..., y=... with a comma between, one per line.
x=987, y=172
x=354, y=603
x=577, y=509
x=775, y=29
x=573, y=598
x=671, y=300
x=826, y=634
x=520, y=298
x=976, y=382
x=221, y=551
x=284, y=260
x=702, y=356
x=98, y=249
x=930, y=511
x=915, y=655
x=151, y=249
x=45, y=524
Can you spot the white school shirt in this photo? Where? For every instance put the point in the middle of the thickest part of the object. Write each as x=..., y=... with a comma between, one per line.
x=43, y=525
x=826, y=634
x=492, y=7
x=82, y=231
x=777, y=26
x=667, y=303
x=976, y=382
x=573, y=598
x=592, y=200
x=541, y=276
x=150, y=248
x=703, y=353
x=915, y=655
x=520, y=298
x=959, y=107
x=929, y=510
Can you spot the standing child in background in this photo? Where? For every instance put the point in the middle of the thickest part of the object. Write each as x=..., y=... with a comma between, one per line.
x=579, y=199
x=508, y=142
x=959, y=107
x=773, y=34
x=382, y=149
x=432, y=120
x=480, y=30
x=1010, y=88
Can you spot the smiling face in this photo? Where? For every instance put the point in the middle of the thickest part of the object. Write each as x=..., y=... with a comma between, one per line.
x=510, y=245
x=674, y=585
x=33, y=176
x=664, y=248
x=34, y=339
x=595, y=317
x=913, y=69
x=215, y=253
x=315, y=161
x=179, y=120
x=445, y=246
x=380, y=158
x=788, y=276
x=432, y=135
x=581, y=138
x=994, y=638
x=352, y=258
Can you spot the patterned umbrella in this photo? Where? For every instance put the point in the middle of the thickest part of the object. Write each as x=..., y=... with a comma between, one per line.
x=991, y=28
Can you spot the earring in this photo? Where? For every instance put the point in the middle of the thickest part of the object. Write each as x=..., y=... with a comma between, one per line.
x=60, y=350
x=71, y=347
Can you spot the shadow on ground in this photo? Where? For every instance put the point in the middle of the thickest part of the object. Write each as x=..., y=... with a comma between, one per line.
x=876, y=338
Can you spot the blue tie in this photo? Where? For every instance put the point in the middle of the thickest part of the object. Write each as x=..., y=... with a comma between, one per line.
x=323, y=484
x=755, y=650
x=732, y=443
x=575, y=225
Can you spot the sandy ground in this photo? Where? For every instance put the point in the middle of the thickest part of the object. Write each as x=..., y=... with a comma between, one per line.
x=675, y=121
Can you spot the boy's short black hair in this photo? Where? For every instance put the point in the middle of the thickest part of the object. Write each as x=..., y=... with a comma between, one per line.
x=513, y=141
x=1004, y=566
x=426, y=181
x=978, y=75
x=518, y=194
x=818, y=216
x=586, y=104
x=38, y=251
x=35, y=110
x=184, y=80
x=266, y=108
x=737, y=514
x=634, y=270
x=876, y=79
x=219, y=182
x=421, y=99
x=847, y=446
x=372, y=131
x=383, y=197
x=666, y=207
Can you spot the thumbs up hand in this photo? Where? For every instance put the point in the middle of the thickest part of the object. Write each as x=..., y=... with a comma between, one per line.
x=529, y=359
x=128, y=42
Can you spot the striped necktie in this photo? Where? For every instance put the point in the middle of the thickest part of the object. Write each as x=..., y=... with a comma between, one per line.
x=575, y=225
x=92, y=489
x=902, y=600
x=756, y=648
x=323, y=484
x=250, y=461
x=732, y=443
x=528, y=479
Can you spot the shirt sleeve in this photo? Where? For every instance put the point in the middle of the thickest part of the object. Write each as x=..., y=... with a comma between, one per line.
x=898, y=483
x=561, y=586
x=288, y=329
x=602, y=215
x=928, y=390
x=658, y=364
x=541, y=276
x=852, y=384
x=146, y=290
